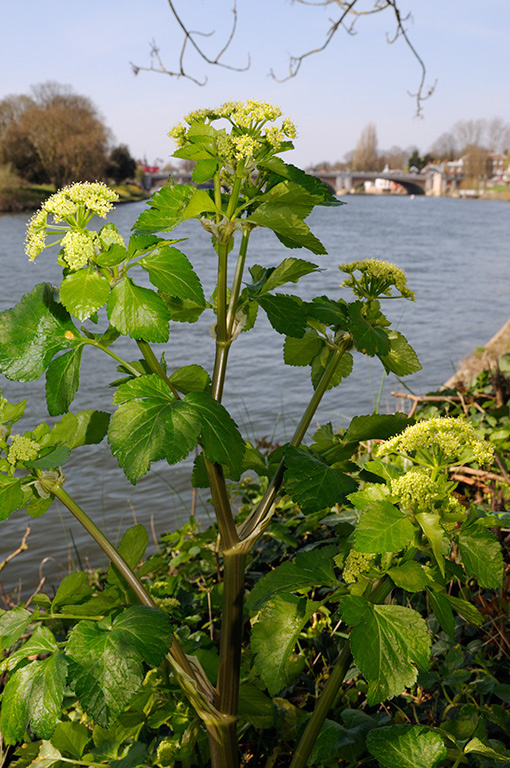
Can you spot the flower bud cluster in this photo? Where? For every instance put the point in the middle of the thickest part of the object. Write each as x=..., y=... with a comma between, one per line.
x=79, y=248
x=248, y=136
x=377, y=279
x=356, y=564
x=22, y=449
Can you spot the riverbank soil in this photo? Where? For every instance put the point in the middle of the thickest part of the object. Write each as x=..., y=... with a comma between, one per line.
x=483, y=358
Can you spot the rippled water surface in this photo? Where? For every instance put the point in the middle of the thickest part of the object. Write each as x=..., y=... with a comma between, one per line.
x=456, y=255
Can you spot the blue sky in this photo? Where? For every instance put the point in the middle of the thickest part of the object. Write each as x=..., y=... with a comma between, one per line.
x=359, y=79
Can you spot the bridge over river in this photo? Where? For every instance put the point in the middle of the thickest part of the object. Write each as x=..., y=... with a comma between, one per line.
x=343, y=182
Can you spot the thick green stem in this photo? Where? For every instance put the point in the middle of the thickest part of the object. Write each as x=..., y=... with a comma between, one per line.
x=324, y=704
x=155, y=365
x=227, y=689
x=117, y=560
x=380, y=591
x=269, y=498
x=236, y=285
x=221, y=503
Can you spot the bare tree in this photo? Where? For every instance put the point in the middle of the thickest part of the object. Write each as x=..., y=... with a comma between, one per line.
x=348, y=14
x=366, y=157
x=445, y=147
x=60, y=135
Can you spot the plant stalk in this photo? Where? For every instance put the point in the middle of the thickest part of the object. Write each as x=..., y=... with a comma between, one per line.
x=324, y=704
x=155, y=365
x=269, y=498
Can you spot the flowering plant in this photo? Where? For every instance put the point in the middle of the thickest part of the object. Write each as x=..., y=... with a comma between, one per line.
x=404, y=535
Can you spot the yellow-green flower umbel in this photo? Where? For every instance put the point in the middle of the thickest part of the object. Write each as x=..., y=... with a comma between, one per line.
x=74, y=206
x=376, y=280
x=445, y=440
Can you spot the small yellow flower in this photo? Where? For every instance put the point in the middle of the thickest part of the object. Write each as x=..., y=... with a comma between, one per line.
x=356, y=565
x=245, y=147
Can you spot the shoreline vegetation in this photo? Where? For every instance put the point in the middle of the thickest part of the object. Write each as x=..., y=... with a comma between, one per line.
x=29, y=197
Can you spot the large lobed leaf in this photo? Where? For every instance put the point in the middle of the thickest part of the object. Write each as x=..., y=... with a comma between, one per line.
x=171, y=272
x=482, y=557
x=150, y=424
x=388, y=642
x=32, y=332
x=311, y=483
x=407, y=746
x=138, y=312
x=105, y=662
x=33, y=695
x=307, y=570
x=274, y=637
x=383, y=528
x=166, y=209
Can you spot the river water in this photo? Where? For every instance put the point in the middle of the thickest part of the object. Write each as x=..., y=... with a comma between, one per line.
x=455, y=253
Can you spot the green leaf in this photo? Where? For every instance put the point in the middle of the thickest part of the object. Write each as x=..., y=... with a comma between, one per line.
x=138, y=312
x=115, y=255
x=286, y=314
x=369, y=339
x=63, y=380
x=289, y=228
x=166, y=209
x=383, y=528
x=71, y=738
x=255, y=706
x=33, y=695
x=74, y=588
x=288, y=271
x=150, y=424
x=200, y=202
x=220, y=437
x=146, y=629
x=407, y=746
x=132, y=548
x=388, y=643
x=328, y=311
x=183, y=311
x=477, y=746
x=410, y=576
x=76, y=429
x=83, y=292
x=51, y=459
x=204, y=170
x=401, y=359
x=274, y=636
x=10, y=413
x=32, y=332
x=431, y=527
x=311, y=483
x=308, y=569
x=190, y=378
x=482, y=557
x=302, y=351
x=105, y=662
x=466, y=610
x=12, y=625
x=104, y=669
x=134, y=757
x=342, y=741
x=42, y=641
x=376, y=426
x=342, y=370
x=321, y=191
x=11, y=496
x=171, y=272
x=442, y=611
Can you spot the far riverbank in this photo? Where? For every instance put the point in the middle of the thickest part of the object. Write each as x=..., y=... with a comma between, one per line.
x=30, y=197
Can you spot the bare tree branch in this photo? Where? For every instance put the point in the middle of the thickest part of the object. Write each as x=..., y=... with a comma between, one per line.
x=157, y=64
x=348, y=9
x=350, y=13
